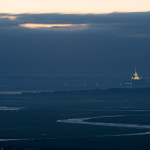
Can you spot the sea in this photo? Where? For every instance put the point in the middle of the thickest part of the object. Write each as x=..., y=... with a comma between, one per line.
x=73, y=113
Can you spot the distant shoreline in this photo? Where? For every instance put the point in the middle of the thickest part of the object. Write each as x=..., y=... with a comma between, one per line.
x=87, y=91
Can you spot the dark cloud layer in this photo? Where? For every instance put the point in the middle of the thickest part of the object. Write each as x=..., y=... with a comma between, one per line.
x=111, y=45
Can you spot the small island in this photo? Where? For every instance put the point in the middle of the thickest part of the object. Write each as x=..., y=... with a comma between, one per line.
x=135, y=81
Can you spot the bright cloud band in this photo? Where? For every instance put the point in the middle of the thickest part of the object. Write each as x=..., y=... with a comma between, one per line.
x=31, y=25
x=8, y=17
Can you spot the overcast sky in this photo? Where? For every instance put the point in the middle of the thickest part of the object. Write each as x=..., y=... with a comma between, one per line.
x=53, y=44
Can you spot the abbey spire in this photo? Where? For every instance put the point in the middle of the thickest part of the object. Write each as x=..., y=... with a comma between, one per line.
x=136, y=76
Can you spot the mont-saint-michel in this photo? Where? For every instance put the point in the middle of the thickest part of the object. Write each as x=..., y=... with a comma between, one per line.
x=135, y=81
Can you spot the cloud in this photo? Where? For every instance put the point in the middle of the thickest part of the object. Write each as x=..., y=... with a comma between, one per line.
x=114, y=19
x=9, y=17
x=107, y=44
x=118, y=23
x=49, y=26
x=138, y=35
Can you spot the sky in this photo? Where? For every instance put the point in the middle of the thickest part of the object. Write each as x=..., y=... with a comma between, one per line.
x=74, y=38
x=73, y=6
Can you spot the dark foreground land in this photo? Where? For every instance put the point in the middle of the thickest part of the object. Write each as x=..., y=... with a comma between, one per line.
x=29, y=120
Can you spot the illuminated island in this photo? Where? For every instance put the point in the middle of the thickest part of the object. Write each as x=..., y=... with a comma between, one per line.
x=135, y=80
x=135, y=76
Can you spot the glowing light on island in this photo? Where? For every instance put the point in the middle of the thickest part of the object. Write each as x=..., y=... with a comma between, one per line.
x=136, y=76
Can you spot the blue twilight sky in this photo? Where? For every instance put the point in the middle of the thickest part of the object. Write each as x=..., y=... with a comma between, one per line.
x=75, y=41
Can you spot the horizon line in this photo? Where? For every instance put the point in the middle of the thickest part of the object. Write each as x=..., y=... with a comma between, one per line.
x=75, y=13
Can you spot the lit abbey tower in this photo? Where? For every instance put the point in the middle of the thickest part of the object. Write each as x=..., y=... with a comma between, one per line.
x=136, y=76
x=135, y=81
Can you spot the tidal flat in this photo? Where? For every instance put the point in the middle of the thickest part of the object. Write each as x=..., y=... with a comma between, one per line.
x=48, y=120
